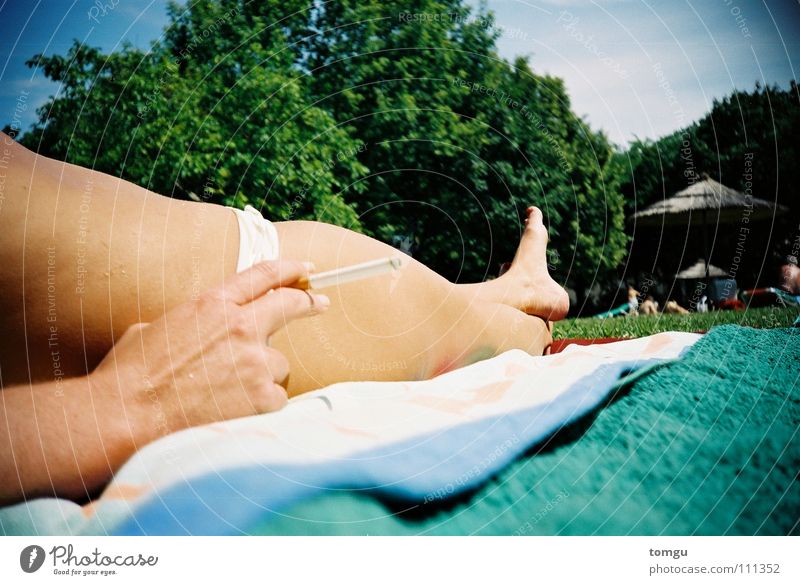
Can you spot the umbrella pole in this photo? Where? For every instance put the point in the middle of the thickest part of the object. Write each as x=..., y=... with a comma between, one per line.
x=705, y=245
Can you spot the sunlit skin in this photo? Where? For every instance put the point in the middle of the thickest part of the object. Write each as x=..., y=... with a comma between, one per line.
x=87, y=257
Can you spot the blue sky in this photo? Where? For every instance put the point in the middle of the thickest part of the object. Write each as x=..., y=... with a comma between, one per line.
x=632, y=67
x=31, y=27
x=646, y=68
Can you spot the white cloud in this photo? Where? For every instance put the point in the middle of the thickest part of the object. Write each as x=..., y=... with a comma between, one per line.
x=701, y=55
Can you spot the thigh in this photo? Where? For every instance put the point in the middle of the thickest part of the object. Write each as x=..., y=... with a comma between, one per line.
x=86, y=255
x=375, y=328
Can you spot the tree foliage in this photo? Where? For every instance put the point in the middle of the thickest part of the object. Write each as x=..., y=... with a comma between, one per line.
x=215, y=110
x=760, y=126
x=748, y=141
x=394, y=118
x=461, y=141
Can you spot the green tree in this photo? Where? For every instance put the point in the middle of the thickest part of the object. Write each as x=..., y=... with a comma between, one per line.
x=748, y=141
x=215, y=110
x=762, y=124
x=398, y=118
x=461, y=141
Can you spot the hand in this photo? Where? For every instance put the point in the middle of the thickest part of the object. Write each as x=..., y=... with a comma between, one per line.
x=209, y=360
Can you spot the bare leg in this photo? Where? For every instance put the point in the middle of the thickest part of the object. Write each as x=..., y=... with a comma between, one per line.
x=87, y=255
x=408, y=326
x=527, y=285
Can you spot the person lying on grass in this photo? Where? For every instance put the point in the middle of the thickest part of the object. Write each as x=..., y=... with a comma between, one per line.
x=128, y=315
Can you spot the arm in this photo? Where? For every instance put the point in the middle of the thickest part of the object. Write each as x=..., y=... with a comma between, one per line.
x=65, y=439
x=203, y=361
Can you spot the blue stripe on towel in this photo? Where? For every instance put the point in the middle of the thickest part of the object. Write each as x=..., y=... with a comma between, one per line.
x=430, y=467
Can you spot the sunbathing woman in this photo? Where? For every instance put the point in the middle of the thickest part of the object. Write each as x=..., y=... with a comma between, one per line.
x=89, y=259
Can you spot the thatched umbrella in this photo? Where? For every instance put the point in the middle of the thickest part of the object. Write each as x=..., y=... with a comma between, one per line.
x=701, y=269
x=710, y=274
x=704, y=202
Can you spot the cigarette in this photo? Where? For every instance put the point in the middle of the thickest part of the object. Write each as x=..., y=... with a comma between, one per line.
x=349, y=273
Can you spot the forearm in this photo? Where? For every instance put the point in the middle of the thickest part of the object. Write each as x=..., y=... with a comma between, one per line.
x=202, y=362
x=64, y=439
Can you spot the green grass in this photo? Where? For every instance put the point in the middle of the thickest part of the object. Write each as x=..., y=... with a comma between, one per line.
x=648, y=325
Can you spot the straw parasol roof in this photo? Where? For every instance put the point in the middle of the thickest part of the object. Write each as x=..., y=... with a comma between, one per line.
x=706, y=201
x=698, y=271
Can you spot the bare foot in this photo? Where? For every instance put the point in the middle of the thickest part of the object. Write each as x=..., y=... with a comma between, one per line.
x=527, y=284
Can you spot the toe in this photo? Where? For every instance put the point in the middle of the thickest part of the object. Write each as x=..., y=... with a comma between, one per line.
x=534, y=215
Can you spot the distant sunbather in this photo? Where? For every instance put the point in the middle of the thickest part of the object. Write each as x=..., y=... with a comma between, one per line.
x=673, y=308
x=633, y=301
x=789, y=276
x=649, y=306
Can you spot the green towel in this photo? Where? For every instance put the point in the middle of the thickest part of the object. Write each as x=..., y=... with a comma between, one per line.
x=706, y=445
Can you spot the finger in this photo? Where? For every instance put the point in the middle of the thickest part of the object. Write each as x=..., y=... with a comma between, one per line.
x=277, y=364
x=270, y=397
x=260, y=278
x=275, y=310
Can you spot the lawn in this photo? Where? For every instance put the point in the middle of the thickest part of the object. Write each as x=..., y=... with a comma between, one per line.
x=647, y=325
